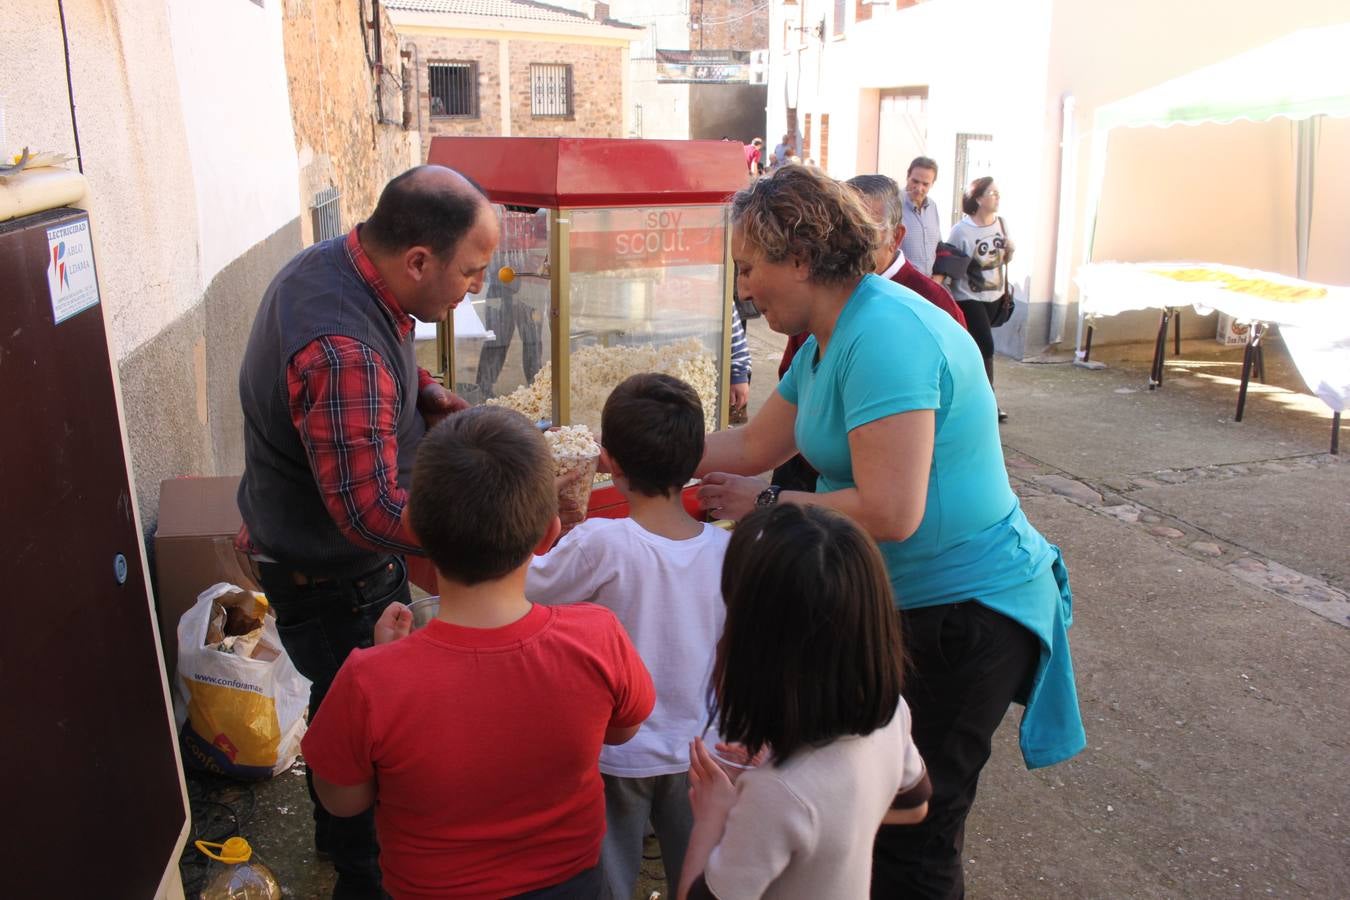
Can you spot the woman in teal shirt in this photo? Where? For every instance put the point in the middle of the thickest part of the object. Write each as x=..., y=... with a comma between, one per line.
x=889, y=402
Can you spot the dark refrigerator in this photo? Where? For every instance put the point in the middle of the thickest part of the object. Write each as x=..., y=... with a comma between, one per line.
x=94, y=790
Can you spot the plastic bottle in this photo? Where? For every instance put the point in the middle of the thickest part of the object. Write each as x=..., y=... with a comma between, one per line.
x=240, y=876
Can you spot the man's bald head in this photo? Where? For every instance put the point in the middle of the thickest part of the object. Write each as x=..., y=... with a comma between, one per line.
x=427, y=206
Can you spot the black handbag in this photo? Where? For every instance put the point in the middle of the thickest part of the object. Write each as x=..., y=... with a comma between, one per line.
x=1001, y=310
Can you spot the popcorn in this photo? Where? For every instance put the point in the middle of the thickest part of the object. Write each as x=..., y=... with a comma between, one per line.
x=574, y=447
x=596, y=370
x=570, y=441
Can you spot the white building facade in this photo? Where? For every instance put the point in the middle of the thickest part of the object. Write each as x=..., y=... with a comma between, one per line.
x=995, y=88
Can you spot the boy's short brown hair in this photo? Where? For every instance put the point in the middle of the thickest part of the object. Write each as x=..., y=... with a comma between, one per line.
x=482, y=493
x=652, y=426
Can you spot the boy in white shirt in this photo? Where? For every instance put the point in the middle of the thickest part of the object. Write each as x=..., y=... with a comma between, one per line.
x=660, y=572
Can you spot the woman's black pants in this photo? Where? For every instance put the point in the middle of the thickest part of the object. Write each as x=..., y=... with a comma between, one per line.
x=967, y=663
x=977, y=323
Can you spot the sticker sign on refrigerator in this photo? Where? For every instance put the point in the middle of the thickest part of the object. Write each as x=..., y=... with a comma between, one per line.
x=70, y=270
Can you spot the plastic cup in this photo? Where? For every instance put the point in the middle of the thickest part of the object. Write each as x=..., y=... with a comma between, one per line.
x=733, y=767
x=579, y=490
x=424, y=611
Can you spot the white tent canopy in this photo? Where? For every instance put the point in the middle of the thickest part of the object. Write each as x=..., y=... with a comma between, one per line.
x=1302, y=74
x=1300, y=77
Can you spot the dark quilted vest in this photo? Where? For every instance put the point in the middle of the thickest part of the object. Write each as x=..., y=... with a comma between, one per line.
x=317, y=293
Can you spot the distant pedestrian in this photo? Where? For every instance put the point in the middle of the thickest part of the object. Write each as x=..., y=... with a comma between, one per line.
x=923, y=228
x=978, y=281
x=753, y=150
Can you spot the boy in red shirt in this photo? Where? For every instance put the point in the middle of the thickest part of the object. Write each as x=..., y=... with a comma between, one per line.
x=477, y=738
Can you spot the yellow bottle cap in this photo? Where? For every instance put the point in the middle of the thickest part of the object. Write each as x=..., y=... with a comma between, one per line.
x=234, y=850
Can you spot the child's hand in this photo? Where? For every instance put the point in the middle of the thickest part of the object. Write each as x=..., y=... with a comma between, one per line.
x=395, y=622
x=711, y=793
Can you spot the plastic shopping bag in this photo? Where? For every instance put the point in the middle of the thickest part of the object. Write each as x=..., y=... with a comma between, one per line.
x=240, y=703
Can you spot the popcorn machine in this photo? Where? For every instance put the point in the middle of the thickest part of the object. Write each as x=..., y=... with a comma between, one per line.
x=614, y=259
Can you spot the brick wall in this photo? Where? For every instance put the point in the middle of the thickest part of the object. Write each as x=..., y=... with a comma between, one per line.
x=432, y=49
x=746, y=31
x=597, y=90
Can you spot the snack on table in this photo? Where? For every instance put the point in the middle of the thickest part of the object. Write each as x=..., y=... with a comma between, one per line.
x=574, y=447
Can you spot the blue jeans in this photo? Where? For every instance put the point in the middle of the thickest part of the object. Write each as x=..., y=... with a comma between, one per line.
x=320, y=622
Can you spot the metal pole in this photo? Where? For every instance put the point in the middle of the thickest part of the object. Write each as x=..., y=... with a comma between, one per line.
x=1159, y=350
x=560, y=313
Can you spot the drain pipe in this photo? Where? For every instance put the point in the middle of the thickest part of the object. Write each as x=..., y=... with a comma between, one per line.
x=1068, y=182
x=379, y=60
x=416, y=83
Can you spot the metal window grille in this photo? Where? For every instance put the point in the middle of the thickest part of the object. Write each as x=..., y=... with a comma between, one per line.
x=327, y=213
x=550, y=89
x=453, y=89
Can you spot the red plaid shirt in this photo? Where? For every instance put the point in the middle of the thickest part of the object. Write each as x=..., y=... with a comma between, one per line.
x=345, y=404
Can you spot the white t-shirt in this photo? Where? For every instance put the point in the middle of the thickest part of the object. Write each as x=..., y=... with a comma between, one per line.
x=804, y=831
x=668, y=595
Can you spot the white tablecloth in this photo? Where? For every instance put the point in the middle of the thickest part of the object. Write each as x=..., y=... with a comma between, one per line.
x=1314, y=318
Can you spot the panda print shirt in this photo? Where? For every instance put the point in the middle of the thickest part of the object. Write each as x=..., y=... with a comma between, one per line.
x=985, y=246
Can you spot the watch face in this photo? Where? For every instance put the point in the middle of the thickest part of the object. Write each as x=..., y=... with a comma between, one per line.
x=767, y=497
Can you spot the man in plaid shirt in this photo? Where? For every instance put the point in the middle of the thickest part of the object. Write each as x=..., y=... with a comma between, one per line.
x=334, y=408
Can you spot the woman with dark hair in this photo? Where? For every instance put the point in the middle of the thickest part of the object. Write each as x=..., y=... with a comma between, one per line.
x=979, y=282
x=809, y=669
x=889, y=402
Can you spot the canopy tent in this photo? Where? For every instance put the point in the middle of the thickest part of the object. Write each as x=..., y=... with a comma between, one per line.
x=1300, y=77
x=1302, y=74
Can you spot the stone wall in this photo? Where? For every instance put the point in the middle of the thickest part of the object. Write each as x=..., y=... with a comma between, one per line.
x=728, y=25
x=597, y=90
x=346, y=136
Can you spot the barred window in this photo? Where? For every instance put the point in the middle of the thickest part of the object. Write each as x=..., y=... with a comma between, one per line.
x=550, y=89
x=327, y=214
x=453, y=89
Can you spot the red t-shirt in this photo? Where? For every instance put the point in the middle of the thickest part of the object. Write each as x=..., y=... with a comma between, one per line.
x=484, y=744
x=910, y=277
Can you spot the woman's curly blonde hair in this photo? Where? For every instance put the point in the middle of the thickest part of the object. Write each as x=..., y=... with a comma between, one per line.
x=801, y=212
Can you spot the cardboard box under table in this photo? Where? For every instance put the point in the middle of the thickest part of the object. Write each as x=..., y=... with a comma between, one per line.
x=194, y=548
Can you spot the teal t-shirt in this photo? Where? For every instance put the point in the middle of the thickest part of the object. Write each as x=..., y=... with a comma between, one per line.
x=893, y=352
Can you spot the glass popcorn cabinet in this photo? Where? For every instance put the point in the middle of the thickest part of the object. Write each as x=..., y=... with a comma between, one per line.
x=614, y=259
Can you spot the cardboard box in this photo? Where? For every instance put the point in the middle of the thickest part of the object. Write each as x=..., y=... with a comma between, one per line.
x=194, y=549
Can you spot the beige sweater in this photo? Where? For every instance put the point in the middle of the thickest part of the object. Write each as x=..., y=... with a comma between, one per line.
x=804, y=831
